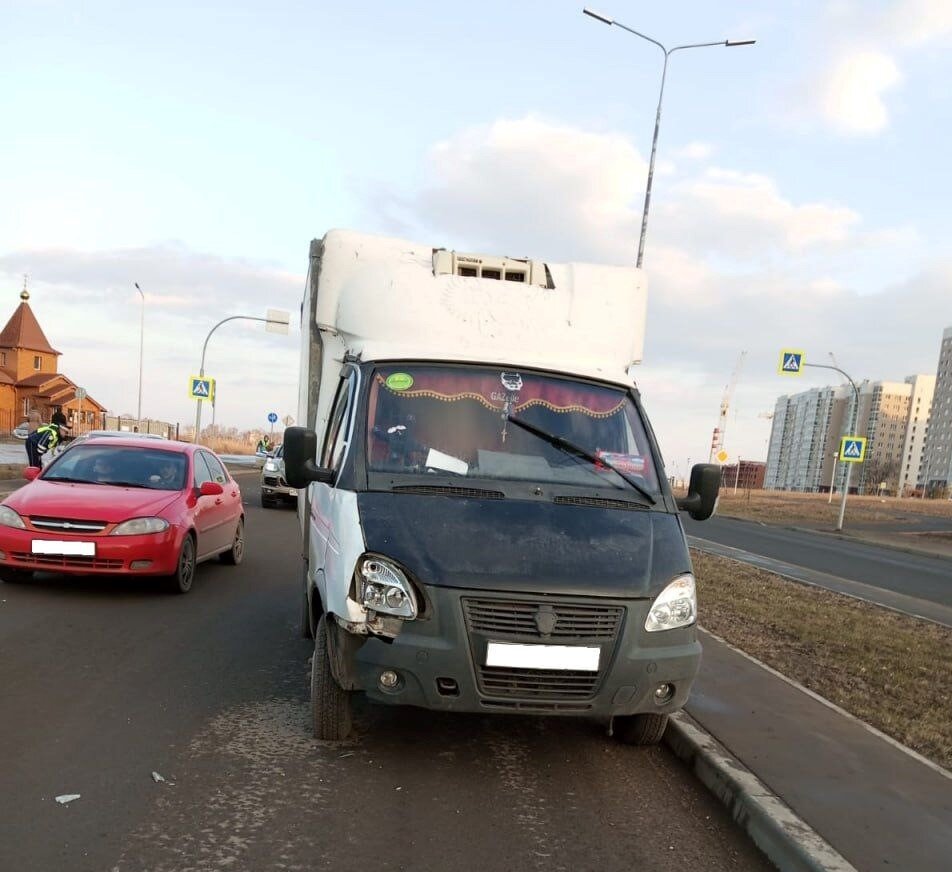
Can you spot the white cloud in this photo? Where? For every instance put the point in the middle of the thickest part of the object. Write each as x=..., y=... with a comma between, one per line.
x=696, y=151
x=917, y=22
x=88, y=307
x=852, y=96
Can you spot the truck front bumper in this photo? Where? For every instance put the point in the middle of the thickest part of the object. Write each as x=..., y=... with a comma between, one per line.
x=441, y=660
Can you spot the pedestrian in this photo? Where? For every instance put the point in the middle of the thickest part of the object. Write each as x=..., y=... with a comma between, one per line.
x=41, y=441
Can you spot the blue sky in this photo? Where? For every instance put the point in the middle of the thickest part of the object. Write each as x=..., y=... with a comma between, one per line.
x=800, y=196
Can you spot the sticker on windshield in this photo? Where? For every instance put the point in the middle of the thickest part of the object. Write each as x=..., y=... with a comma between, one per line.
x=511, y=381
x=630, y=464
x=399, y=381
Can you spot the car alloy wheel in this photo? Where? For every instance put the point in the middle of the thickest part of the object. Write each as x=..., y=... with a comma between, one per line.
x=185, y=573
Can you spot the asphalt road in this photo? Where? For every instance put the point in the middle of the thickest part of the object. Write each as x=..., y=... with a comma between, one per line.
x=105, y=681
x=912, y=575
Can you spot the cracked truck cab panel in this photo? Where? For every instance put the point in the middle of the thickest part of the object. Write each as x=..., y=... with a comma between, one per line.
x=485, y=536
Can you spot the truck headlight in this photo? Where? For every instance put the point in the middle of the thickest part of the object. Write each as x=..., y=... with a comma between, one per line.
x=383, y=587
x=675, y=606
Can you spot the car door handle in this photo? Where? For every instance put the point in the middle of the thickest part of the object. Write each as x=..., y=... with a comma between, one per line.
x=217, y=502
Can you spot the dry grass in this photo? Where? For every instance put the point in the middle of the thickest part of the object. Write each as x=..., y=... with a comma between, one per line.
x=890, y=670
x=784, y=507
x=221, y=445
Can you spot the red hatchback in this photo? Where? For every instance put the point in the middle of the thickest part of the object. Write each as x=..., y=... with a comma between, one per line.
x=123, y=507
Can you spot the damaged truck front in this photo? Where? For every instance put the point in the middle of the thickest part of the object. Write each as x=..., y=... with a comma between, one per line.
x=485, y=519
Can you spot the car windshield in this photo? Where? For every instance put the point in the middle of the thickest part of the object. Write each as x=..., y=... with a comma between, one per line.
x=459, y=421
x=120, y=465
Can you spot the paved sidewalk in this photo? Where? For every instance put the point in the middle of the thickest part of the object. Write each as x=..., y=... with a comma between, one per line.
x=874, y=803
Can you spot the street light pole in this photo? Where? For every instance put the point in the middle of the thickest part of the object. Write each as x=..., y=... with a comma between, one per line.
x=201, y=369
x=729, y=43
x=141, y=345
x=836, y=455
x=853, y=413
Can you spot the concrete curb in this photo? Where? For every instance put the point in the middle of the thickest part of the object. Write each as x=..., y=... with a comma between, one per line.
x=787, y=841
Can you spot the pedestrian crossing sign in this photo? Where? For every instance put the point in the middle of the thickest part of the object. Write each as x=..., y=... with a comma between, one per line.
x=201, y=388
x=791, y=362
x=853, y=449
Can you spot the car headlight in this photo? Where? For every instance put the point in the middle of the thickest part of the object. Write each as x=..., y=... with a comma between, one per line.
x=383, y=587
x=675, y=606
x=270, y=466
x=9, y=518
x=140, y=527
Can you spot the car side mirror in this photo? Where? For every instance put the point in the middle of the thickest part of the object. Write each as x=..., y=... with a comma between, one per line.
x=300, y=449
x=210, y=489
x=701, y=500
x=31, y=472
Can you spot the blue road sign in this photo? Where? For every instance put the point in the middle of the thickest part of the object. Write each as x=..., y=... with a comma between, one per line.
x=199, y=388
x=853, y=449
x=272, y=417
x=791, y=362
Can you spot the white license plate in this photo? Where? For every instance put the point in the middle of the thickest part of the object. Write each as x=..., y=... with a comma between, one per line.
x=292, y=492
x=50, y=546
x=568, y=657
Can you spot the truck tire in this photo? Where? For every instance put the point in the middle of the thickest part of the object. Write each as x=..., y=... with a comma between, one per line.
x=330, y=705
x=644, y=729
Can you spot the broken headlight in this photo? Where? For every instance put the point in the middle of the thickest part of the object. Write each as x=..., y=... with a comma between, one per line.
x=383, y=587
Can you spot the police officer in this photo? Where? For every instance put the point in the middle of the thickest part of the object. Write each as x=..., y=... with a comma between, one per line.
x=40, y=441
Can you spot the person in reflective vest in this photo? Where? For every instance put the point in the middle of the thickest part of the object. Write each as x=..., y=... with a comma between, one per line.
x=40, y=441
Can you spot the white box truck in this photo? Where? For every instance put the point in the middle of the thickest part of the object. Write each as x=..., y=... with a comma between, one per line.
x=485, y=518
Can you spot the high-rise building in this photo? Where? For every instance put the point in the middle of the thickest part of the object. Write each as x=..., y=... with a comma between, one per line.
x=936, y=467
x=923, y=388
x=807, y=429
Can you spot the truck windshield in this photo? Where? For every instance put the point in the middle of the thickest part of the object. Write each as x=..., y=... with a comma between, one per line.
x=455, y=420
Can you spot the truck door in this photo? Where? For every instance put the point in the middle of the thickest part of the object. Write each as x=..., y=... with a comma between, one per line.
x=327, y=522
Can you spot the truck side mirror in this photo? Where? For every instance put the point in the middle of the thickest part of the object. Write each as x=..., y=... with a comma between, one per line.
x=701, y=500
x=300, y=449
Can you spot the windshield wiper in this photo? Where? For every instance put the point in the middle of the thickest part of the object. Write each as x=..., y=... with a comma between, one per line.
x=67, y=479
x=571, y=448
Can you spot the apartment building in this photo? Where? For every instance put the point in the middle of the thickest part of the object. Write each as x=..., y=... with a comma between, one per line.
x=936, y=467
x=912, y=473
x=807, y=427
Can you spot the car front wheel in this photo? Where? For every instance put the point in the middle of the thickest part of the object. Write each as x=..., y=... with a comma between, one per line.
x=16, y=576
x=181, y=580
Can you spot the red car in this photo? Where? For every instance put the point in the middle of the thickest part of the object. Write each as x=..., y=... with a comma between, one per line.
x=123, y=507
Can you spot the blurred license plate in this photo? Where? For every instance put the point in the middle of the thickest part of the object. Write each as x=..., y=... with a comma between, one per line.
x=292, y=492
x=568, y=657
x=50, y=546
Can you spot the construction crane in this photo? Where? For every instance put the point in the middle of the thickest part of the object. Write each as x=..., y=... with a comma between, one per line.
x=717, y=441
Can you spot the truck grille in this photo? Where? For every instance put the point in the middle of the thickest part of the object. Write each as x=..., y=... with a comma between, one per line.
x=518, y=618
x=543, y=621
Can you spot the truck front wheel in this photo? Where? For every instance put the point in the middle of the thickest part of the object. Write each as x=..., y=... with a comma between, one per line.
x=644, y=729
x=330, y=705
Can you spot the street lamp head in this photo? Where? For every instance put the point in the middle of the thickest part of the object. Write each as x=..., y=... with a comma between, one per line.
x=598, y=16
x=730, y=43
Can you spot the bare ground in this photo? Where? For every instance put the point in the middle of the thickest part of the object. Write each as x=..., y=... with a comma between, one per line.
x=782, y=507
x=890, y=670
